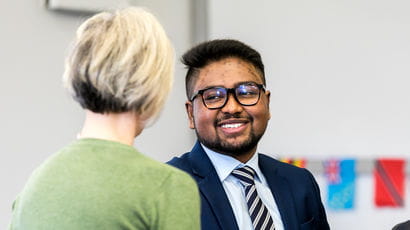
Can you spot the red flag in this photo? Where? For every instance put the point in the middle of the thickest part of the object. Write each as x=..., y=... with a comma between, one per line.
x=389, y=182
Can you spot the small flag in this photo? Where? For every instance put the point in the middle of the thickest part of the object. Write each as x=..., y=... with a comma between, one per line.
x=299, y=162
x=389, y=182
x=341, y=177
x=332, y=171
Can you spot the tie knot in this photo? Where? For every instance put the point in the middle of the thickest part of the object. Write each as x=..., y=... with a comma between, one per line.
x=245, y=174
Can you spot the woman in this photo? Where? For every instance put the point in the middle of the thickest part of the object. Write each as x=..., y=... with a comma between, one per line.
x=120, y=71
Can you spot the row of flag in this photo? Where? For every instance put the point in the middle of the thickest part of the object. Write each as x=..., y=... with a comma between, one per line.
x=389, y=181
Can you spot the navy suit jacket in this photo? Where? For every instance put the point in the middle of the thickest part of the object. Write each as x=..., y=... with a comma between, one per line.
x=295, y=191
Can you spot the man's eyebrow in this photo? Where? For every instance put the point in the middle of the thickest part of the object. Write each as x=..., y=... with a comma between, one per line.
x=212, y=86
x=246, y=82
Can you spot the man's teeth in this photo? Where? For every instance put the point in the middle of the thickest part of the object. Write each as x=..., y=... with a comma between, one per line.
x=231, y=125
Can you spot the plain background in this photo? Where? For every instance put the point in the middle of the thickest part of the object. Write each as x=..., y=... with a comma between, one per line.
x=338, y=72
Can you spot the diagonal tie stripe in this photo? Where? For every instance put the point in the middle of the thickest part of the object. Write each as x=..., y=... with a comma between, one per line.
x=261, y=219
x=245, y=175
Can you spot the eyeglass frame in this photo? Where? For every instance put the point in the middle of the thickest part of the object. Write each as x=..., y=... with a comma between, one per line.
x=228, y=91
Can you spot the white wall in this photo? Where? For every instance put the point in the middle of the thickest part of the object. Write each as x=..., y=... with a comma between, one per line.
x=339, y=76
x=37, y=117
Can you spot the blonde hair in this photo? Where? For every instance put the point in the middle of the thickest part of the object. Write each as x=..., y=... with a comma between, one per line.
x=121, y=61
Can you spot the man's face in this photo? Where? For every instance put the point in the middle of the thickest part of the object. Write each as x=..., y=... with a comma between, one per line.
x=233, y=129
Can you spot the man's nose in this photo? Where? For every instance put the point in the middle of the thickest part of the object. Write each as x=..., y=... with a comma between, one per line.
x=232, y=105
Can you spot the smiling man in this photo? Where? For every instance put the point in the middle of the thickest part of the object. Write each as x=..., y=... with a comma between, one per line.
x=228, y=107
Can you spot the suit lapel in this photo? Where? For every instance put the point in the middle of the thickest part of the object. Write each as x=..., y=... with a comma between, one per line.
x=212, y=189
x=281, y=191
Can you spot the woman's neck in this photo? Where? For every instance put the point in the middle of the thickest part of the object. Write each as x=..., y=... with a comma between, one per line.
x=120, y=127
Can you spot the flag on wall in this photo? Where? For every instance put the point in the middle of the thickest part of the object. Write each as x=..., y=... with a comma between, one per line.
x=341, y=177
x=389, y=182
x=300, y=162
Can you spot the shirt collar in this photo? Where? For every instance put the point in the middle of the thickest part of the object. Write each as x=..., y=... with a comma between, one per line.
x=225, y=164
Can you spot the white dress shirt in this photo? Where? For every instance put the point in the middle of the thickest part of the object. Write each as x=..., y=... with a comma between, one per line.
x=224, y=165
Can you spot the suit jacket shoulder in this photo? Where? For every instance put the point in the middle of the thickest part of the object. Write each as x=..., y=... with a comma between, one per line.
x=290, y=172
x=296, y=193
x=181, y=162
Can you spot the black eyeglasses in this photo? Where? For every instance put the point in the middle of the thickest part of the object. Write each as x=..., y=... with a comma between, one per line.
x=246, y=94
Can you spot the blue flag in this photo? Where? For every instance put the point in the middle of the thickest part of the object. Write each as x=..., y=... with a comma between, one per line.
x=341, y=178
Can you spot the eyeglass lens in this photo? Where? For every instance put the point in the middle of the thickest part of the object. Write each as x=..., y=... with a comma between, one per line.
x=246, y=94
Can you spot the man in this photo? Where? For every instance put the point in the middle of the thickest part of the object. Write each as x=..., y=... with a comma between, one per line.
x=228, y=106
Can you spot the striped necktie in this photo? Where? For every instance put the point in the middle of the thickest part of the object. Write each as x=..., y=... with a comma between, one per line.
x=261, y=219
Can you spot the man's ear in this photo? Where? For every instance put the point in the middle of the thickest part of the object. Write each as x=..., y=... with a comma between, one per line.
x=268, y=101
x=189, y=111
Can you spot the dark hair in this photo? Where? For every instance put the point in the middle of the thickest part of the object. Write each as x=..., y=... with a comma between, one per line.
x=402, y=226
x=215, y=50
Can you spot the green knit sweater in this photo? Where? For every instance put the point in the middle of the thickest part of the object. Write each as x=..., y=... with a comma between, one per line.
x=99, y=184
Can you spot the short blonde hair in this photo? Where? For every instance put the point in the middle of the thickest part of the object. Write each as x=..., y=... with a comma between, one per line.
x=120, y=62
